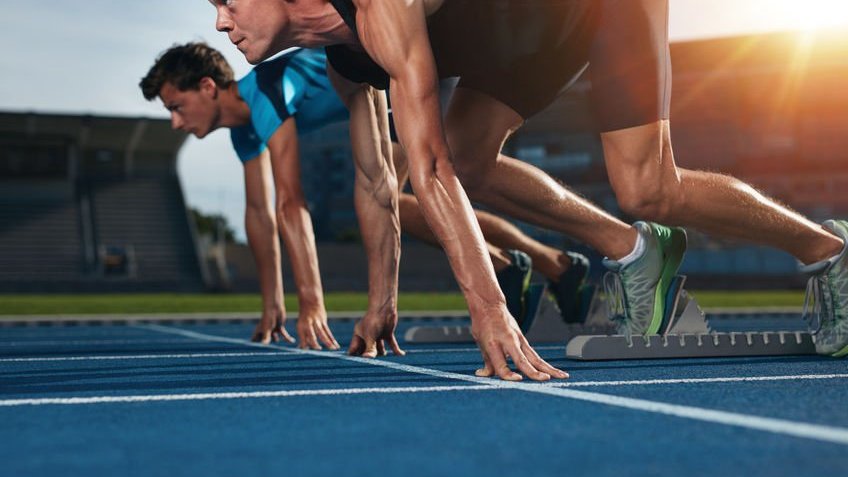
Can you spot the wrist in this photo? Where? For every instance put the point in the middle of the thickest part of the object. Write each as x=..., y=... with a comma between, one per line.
x=273, y=304
x=310, y=301
x=486, y=308
x=383, y=308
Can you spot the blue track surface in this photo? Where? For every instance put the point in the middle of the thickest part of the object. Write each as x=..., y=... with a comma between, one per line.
x=193, y=406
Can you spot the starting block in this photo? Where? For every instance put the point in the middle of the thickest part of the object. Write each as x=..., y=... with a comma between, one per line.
x=686, y=334
x=543, y=323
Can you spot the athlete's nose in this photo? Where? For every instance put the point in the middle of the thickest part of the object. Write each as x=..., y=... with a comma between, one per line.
x=176, y=122
x=223, y=22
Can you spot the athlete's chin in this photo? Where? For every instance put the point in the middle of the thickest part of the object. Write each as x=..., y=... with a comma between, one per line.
x=254, y=55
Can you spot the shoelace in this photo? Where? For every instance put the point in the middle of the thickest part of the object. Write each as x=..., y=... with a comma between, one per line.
x=813, y=299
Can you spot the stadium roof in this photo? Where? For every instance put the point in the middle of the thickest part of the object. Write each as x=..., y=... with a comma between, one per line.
x=132, y=135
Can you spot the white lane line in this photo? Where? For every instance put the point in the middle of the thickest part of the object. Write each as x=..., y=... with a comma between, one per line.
x=734, y=379
x=139, y=356
x=778, y=426
x=12, y=344
x=205, y=337
x=242, y=395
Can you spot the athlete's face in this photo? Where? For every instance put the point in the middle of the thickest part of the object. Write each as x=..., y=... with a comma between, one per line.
x=252, y=25
x=195, y=111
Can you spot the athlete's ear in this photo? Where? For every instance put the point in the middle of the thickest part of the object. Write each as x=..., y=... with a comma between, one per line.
x=208, y=86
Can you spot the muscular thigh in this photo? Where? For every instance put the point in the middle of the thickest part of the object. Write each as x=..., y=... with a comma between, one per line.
x=630, y=65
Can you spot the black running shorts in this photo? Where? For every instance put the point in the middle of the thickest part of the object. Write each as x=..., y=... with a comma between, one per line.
x=524, y=53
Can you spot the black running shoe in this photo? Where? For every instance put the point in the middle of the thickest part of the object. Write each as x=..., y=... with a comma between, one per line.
x=568, y=290
x=514, y=281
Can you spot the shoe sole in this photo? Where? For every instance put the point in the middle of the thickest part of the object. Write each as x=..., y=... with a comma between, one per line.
x=532, y=298
x=674, y=247
x=582, y=294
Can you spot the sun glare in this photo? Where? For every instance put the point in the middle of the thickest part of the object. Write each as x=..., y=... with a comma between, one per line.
x=809, y=15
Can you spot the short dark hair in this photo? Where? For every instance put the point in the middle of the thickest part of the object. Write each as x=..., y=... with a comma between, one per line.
x=184, y=66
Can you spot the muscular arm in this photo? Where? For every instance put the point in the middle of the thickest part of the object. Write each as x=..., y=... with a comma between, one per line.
x=261, y=230
x=376, y=200
x=295, y=226
x=394, y=34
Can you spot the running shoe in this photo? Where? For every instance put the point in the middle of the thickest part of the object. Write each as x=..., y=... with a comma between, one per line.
x=514, y=281
x=568, y=289
x=637, y=291
x=826, y=300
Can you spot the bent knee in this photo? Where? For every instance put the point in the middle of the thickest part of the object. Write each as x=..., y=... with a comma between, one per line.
x=653, y=205
x=473, y=175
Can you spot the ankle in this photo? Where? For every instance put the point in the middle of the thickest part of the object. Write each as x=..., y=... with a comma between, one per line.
x=829, y=249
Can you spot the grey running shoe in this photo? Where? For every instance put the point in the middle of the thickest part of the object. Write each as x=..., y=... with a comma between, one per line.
x=514, y=281
x=567, y=291
x=827, y=295
x=637, y=291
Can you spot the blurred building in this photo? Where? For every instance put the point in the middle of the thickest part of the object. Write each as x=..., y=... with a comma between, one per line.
x=92, y=203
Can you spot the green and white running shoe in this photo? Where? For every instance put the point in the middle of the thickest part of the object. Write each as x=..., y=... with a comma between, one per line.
x=637, y=291
x=827, y=295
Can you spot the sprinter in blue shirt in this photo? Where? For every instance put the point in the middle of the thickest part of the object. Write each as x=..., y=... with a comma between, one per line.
x=265, y=111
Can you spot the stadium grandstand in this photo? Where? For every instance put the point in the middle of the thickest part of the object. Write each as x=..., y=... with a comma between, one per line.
x=93, y=203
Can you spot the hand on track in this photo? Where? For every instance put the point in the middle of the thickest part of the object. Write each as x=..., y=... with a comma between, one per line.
x=271, y=328
x=312, y=327
x=499, y=339
x=372, y=333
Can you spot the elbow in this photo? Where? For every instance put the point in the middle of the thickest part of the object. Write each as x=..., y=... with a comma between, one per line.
x=289, y=205
x=382, y=191
x=259, y=219
x=387, y=193
x=429, y=171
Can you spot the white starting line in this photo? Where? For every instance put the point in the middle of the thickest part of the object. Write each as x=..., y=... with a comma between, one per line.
x=242, y=395
x=271, y=351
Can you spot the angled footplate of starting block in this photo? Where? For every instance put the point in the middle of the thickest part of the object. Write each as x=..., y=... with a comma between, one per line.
x=543, y=324
x=686, y=334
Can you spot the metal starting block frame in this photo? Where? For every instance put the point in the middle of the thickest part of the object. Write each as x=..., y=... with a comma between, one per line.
x=687, y=335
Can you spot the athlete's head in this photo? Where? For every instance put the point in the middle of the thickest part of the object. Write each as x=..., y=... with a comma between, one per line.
x=252, y=25
x=263, y=28
x=189, y=79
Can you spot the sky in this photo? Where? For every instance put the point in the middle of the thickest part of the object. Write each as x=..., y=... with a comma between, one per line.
x=88, y=57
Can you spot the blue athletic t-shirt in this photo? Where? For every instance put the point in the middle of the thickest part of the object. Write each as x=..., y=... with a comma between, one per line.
x=293, y=84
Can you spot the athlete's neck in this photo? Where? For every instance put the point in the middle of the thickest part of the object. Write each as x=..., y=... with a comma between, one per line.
x=316, y=24
x=234, y=110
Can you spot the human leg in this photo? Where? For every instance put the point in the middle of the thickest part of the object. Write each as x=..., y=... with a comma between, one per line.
x=518, y=189
x=650, y=186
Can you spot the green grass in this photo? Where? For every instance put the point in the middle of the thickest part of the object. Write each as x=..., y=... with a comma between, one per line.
x=209, y=303
x=746, y=299
x=202, y=303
